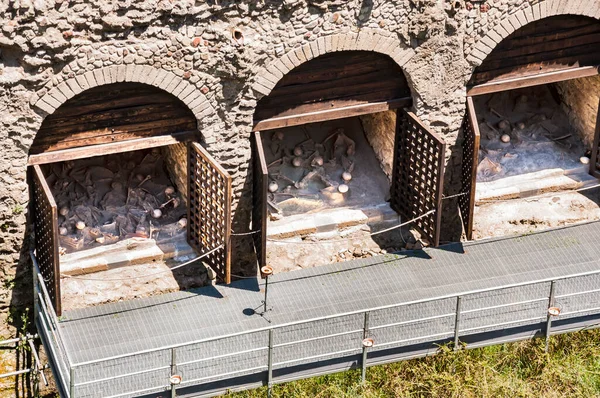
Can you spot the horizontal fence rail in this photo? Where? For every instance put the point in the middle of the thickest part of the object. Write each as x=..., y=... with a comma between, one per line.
x=280, y=349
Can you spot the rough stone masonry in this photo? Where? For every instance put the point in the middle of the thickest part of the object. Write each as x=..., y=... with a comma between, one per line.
x=51, y=50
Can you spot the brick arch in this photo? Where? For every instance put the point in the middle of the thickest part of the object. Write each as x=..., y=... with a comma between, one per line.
x=535, y=12
x=186, y=92
x=365, y=40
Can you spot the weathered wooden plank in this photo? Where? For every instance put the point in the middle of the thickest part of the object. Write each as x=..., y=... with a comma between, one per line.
x=498, y=85
x=331, y=114
x=552, y=44
x=111, y=113
x=336, y=80
x=111, y=148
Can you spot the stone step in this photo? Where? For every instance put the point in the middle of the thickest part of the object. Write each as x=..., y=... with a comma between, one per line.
x=329, y=220
x=121, y=254
x=527, y=185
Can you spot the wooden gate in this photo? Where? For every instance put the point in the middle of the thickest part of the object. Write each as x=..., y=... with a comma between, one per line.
x=418, y=175
x=259, y=200
x=470, y=159
x=209, y=210
x=45, y=222
x=595, y=161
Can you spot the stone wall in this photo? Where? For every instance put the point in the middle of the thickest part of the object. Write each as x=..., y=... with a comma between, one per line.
x=580, y=102
x=380, y=129
x=219, y=57
x=176, y=163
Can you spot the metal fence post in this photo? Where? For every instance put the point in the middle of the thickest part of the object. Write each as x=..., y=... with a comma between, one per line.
x=457, y=322
x=173, y=372
x=549, y=315
x=71, y=382
x=363, y=374
x=270, y=366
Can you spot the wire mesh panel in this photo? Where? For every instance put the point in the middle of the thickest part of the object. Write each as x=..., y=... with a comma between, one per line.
x=45, y=221
x=595, y=163
x=418, y=175
x=209, y=210
x=470, y=157
x=259, y=201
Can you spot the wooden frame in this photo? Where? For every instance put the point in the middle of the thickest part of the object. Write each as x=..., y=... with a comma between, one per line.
x=471, y=143
x=535, y=80
x=107, y=149
x=259, y=200
x=418, y=175
x=331, y=114
x=45, y=219
x=209, y=210
x=594, y=162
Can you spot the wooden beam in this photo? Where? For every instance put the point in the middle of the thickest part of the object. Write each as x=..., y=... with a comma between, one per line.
x=110, y=148
x=331, y=114
x=534, y=80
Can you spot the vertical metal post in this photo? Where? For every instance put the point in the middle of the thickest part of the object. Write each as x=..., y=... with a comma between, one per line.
x=549, y=316
x=266, y=292
x=363, y=374
x=270, y=366
x=457, y=322
x=173, y=372
x=71, y=382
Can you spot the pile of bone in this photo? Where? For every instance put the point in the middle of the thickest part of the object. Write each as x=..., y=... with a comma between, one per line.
x=106, y=199
x=316, y=160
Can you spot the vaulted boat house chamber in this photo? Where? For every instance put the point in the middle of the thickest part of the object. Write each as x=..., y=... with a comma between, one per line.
x=530, y=149
x=337, y=161
x=123, y=193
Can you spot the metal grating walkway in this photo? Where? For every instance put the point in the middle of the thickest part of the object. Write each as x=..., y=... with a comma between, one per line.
x=455, y=269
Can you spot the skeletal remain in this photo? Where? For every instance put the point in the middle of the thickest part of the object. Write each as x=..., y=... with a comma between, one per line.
x=168, y=201
x=346, y=176
x=274, y=206
x=156, y=213
x=497, y=113
x=521, y=126
x=273, y=163
x=348, y=164
x=64, y=211
x=80, y=225
x=148, y=177
x=343, y=188
x=504, y=125
x=584, y=160
x=297, y=162
x=341, y=140
x=182, y=222
x=62, y=251
x=169, y=190
x=273, y=187
x=317, y=161
x=100, y=239
x=63, y=231
x=298, y=151
x=303, y=183
x=505, y=138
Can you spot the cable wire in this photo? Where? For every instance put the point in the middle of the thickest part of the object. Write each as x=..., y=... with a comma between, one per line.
x=308, y=242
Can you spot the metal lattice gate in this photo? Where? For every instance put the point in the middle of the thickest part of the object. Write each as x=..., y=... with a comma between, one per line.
x=259, y=199
x=418, y=175
x=470, y=157
x=209, y=210
x=45, y=221
x=595, y=163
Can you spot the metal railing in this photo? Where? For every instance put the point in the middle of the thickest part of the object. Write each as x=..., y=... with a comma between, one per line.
x=49, y=332
x=444, y=319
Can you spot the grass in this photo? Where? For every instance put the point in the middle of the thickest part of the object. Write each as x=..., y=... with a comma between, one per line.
x=523, y=369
